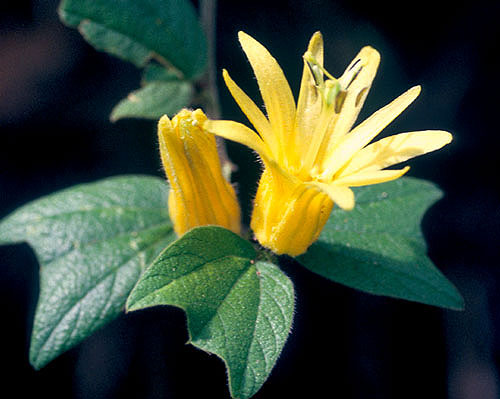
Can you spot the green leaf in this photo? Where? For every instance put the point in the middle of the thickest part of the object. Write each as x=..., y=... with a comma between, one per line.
x=114, y=43
x=137, y=30
x=237, y=308
x=154, y=73
x=154, y=100
x=92, y=241
x=379, y=248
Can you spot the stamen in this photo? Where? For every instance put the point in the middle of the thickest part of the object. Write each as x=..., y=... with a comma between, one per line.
x=331, y=91
x=360, y=95
x=317, y=75
x=312, y=62
x=354, y=64
x=354, y=76
x=339, y=101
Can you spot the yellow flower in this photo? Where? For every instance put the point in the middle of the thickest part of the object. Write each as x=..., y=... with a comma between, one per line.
x=311, y=153
x=199, y=194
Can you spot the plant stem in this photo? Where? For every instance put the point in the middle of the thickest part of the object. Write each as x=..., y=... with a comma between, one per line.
x=208, y=16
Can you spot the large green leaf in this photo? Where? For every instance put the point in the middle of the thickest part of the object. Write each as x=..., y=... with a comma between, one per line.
x=92, y=241
x=379, y=248
x=136, y=30
x=237, y=308
x=154, y=100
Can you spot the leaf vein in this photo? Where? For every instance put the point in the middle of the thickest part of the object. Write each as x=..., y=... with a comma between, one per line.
x=78, y=301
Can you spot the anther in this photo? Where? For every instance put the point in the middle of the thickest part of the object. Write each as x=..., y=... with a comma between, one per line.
x=314, y=68
x=331, y=91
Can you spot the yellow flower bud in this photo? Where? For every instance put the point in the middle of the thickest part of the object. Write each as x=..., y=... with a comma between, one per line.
x=199, y=194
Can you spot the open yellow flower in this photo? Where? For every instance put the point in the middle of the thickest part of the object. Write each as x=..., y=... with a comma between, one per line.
x=311, y=155
x=199, y=194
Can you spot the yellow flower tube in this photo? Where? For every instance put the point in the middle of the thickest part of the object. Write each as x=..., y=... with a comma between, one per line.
x=199, y=194
x=312, y=155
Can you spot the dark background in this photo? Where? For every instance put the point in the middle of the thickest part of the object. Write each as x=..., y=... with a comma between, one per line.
x=56, y=94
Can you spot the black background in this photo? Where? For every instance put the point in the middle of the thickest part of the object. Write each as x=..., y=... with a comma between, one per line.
x=56, y=94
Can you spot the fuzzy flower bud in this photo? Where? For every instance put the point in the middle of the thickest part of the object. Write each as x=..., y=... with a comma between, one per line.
x=199, y=194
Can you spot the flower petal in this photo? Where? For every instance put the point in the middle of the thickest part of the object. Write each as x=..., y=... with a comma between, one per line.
x=362, y=134
x=253, y=113
x=357, y=80
x=274, y=88
x=395, y=149
x=342, y=195
x=180, y=177
x=372, y=177
x=309, y=102
x=172, y=155
x=240, y=133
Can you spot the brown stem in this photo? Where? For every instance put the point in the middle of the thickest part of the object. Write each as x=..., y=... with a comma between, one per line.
x=208, y=16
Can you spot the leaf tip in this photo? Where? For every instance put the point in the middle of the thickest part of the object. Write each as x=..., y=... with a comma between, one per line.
x=458, y=302
x=34, y=359
x=131, y=305
x=116, y=114
x=35, y=365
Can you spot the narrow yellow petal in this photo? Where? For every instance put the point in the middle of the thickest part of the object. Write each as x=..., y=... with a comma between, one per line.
x=238, y=132
x=371, y=177
x=395, y=149
x=342, y=195
x=253, y=113
x=365, y=132
x=356, y=80
x=309, y=102
x=182, y=184
x=274, y=88
x=173, y=157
